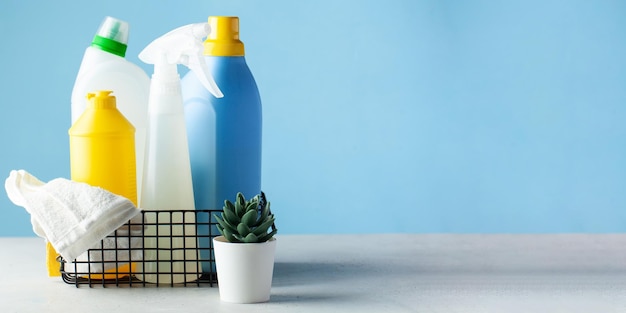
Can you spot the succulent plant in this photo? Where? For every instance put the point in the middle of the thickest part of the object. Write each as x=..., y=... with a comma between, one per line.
x=246, y=221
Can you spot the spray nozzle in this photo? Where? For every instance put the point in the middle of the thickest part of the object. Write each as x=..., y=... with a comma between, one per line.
x=182, y=45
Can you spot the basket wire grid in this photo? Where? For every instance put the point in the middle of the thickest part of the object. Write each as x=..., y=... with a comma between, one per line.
x=126, y=255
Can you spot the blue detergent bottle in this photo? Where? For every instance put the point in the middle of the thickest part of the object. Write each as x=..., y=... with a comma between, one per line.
x=224, y=134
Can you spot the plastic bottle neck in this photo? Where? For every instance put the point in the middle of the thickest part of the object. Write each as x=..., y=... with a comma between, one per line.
x=102, y=100
x=166, y=72
x=104, y=106
x=223, y=48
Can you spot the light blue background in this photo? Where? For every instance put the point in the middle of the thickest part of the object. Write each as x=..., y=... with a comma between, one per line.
x=379, y=116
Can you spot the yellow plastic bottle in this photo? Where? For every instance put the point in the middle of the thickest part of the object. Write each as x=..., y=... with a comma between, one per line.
x=51, y=261
x=102, y=153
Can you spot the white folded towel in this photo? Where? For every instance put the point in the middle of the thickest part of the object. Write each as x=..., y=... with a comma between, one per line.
x=73, y=216
x=115, y=251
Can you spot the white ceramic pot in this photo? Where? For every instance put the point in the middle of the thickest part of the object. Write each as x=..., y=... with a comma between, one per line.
x=244, y=270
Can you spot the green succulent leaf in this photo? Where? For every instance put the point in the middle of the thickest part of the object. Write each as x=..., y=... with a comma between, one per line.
x=251, y=238
x=220, y=229
x=249, y=218
x=268, y=236
x=240, y=205
x=229, y=206
x=231, y=237
x=253, y=205
x=224, y=224
x=239, y=238
x=262, y=229
x=265, y=211
x=231, y=217
x=243, y=229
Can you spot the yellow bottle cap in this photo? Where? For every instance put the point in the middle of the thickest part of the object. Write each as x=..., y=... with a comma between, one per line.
x=102, y=99
x=224, y=37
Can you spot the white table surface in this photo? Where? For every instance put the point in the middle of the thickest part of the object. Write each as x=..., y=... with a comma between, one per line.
x=367, y=273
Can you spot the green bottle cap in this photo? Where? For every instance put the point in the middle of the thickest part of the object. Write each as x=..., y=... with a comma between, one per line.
x=112, y=36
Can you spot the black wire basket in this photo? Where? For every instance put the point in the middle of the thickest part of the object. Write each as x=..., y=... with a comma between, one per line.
x=156, y=248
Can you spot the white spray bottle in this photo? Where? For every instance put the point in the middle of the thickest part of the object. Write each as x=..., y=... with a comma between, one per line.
x=167, y=183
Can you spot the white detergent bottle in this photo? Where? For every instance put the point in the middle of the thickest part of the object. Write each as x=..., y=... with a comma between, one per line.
x=170, y=256
x=105, y=68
